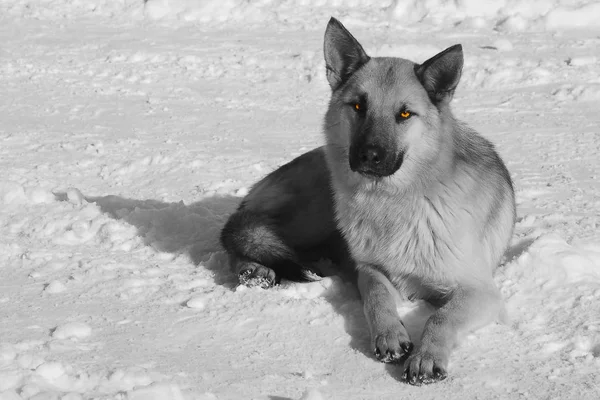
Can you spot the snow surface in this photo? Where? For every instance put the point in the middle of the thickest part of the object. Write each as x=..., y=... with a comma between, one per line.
x=130, y=130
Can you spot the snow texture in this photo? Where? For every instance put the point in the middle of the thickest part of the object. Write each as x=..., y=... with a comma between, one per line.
x=131, y=130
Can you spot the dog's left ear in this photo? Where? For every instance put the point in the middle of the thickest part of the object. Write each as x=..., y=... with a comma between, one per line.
x=441, y=73
x=343, y=54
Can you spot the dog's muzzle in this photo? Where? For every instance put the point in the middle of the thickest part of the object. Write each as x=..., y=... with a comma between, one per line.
x=374, y=161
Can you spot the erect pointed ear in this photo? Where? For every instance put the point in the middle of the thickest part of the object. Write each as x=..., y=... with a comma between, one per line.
x=343, y=54
x=441, y=73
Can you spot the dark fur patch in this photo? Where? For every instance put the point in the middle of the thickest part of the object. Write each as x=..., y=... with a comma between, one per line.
x=343, y=54
x=441, y=73
x=251, y=237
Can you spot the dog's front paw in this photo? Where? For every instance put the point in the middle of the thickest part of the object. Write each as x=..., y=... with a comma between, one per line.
x=257, y=275
x=425, y=366
x=392, y=346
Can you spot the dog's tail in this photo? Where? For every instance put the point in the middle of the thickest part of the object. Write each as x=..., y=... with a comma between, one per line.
x=250, y=236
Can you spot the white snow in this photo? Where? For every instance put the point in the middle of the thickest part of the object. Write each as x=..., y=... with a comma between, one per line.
x=131, y=130
x=55, y=287
x=509, y=14
x=156, y=392
x=76, y=330
x=580, y=16
x=50, y=371
x=312, y=394
x=197, y=302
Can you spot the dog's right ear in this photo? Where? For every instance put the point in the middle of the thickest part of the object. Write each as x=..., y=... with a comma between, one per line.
x=441, y=73
x=343, y=54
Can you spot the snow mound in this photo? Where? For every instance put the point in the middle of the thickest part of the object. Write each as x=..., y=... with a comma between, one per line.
x=552, y=289
x=198, y=302
x=205, y=10
x=504, y=14
x=65, y=9
x=51, y=371
x=309, y=290
x=157, y=392
x=582, y=16
x=414, y=52
x=12, y=193
x=55, y=286
x=589, y=92
x=312, y=394
x=31, y=376
x=551, y=262
x=72, y=330
x=10, y=395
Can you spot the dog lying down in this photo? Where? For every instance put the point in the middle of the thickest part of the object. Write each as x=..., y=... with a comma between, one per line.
x=416, y=200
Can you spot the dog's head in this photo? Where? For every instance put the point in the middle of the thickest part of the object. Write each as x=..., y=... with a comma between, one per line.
x=386, y=115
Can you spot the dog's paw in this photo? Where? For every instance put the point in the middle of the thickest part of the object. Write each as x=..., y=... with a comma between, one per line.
x=424, y=367
x=256, y=275
x=392, y=346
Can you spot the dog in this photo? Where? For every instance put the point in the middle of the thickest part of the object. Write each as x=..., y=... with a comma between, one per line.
x=419, y=203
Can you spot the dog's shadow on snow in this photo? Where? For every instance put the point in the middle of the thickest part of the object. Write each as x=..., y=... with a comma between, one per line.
x=414, y=314
x=178, y=228
x=194, y=230
x=346, y=302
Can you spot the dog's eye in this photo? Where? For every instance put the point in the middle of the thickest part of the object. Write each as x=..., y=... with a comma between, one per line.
x=359, y=104
x=405, y=114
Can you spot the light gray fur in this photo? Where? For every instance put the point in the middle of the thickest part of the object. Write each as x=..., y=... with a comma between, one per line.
x=437, y=228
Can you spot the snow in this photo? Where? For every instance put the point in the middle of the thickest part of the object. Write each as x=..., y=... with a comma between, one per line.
x=509, y=14
x=55, y=287
x=131, y=130
x=312, y=394
x=198, y=302
x=157, y=392
x=573, y=17
x=76, y=330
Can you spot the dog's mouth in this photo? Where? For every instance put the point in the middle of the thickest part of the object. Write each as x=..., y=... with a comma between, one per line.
x=370, y=174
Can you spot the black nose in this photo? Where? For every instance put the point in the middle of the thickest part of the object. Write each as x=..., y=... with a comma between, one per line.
x=371, y=155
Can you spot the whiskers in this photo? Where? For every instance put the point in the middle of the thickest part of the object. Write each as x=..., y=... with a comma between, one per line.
x=331, y=125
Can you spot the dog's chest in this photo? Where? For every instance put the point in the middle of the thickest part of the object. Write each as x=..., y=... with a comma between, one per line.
x=405, y=236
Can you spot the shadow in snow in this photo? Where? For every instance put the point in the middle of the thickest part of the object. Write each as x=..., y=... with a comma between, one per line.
x=519, y=248
x=346, y=301
x=178, y=228
x=194, y=229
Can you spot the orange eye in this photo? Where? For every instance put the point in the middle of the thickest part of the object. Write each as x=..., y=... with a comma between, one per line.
x=357, y=106
x=405, y=114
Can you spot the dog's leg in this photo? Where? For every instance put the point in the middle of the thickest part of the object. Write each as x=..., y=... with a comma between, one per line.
x=256, y=250
x=388, y=335
x=253, y=274
x=258, y=253
x=466, y=308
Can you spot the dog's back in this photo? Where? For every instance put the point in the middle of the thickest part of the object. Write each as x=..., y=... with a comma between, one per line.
x=492, y=194
x=285, y=221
